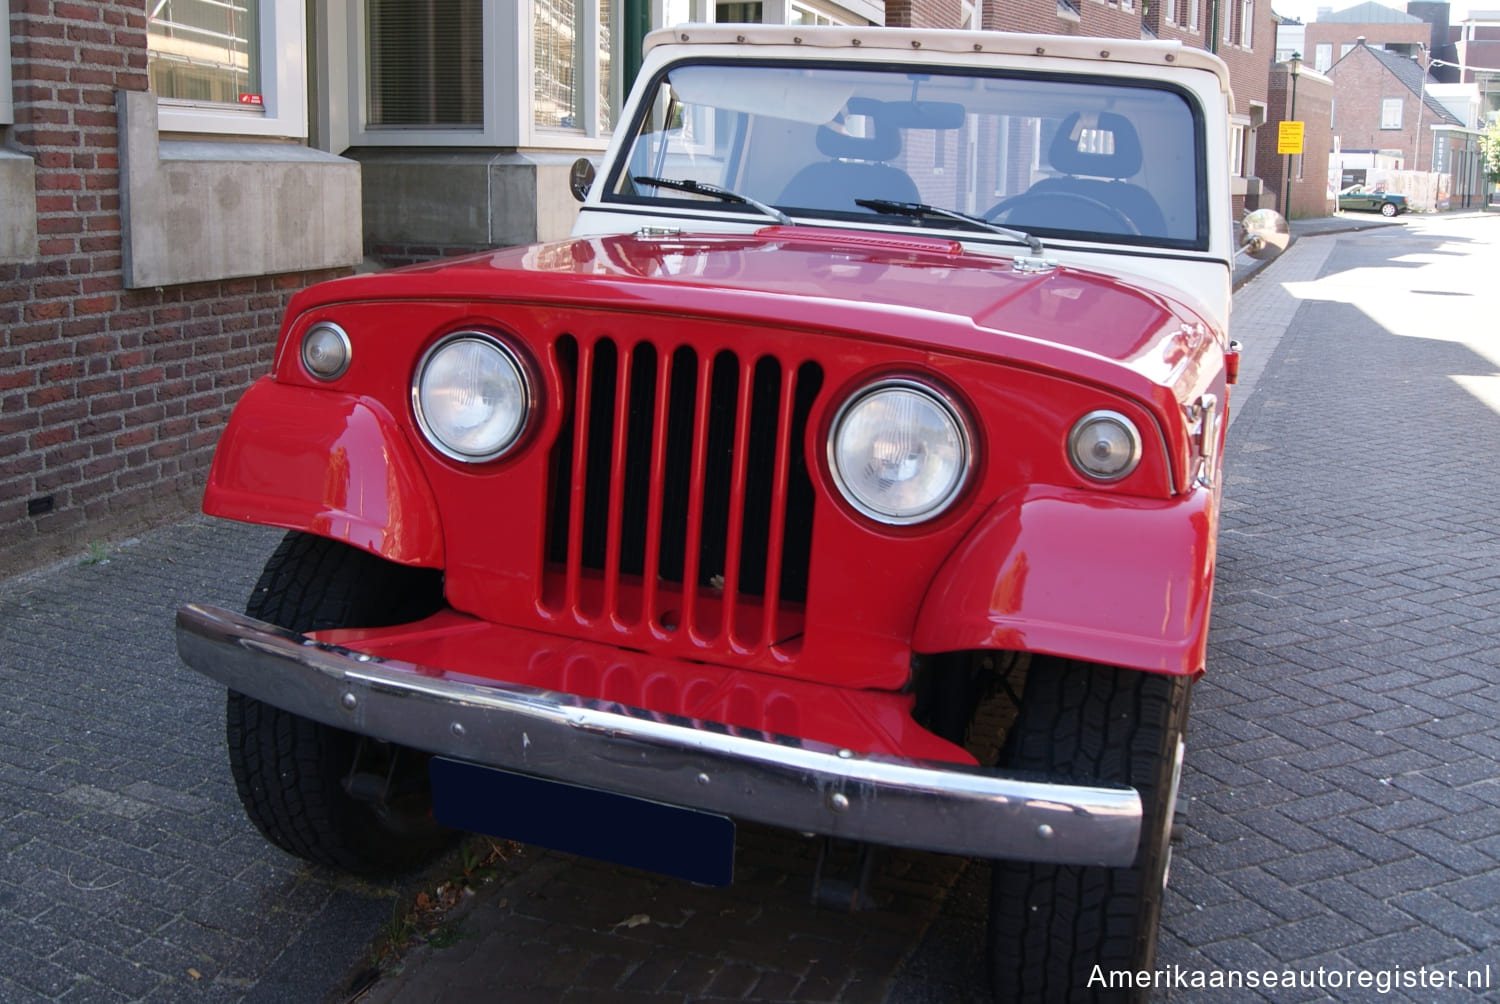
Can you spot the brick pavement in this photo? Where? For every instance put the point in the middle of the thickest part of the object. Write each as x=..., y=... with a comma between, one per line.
x=127, y=868
x=1341, y=782
x=1344, y=794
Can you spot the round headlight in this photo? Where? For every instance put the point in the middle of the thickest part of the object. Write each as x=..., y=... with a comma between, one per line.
x=471, y=397
x=326, y=351
x=1104, y=446
x=898, y=452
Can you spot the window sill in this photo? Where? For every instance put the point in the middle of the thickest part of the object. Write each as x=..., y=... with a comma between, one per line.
x=18, y=199
x=203, y=209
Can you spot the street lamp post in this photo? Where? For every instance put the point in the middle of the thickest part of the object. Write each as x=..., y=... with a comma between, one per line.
x=1294, y=64
x=1416, y=160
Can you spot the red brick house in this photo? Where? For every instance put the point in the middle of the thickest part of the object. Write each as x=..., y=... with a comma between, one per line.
x=171, y=172
x=1305, y=96
x=1385, y=115
x=1334, y=35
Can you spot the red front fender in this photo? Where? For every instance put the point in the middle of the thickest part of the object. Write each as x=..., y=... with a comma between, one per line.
x=332, y=464
x=1071, y=573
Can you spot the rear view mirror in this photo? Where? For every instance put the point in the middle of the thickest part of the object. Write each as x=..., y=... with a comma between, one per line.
x=917, y=114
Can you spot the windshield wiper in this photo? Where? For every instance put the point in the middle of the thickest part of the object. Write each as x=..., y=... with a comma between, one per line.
x=715, y=192
x=923, y=209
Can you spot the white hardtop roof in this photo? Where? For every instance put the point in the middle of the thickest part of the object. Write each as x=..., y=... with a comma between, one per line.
x=1093, y=49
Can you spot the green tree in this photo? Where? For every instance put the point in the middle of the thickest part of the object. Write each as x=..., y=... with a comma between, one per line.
x=1490, y=144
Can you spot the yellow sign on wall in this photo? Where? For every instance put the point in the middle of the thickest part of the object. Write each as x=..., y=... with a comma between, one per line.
x=1289, y=137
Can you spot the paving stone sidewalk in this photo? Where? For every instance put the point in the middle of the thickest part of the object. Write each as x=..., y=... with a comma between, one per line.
x=127, y=869
x=1344, y=764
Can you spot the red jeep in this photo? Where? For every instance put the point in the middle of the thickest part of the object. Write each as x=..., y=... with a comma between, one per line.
x=883, y=376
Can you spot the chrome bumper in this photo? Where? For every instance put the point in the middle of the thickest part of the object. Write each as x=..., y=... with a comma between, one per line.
x=781, y=781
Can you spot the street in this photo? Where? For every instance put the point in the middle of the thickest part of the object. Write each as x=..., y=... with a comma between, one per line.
x=1341, y=788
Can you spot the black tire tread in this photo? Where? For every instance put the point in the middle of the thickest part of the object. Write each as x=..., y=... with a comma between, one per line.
x=288, y=769
x=1050, y=924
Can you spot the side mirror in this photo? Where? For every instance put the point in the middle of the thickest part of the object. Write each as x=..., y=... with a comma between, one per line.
x=1264, y=234
x=581, y=178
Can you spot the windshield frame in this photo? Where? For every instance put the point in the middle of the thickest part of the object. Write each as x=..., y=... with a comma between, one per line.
x=674, y=206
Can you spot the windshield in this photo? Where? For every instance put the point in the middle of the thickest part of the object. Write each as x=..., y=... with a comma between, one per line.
x=1066, y=157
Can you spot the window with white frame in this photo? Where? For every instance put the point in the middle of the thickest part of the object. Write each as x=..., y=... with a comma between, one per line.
x=1322, y=56
x=1390, y=113
x=1192, y=7
x=477, y=73
x=424, y=64
x=557, y=56
x=1238, y=19
x=571, y=41
x=803, y=14
x=228, y=66
x=204, y=50
x=738, y=12
x=1169, y=9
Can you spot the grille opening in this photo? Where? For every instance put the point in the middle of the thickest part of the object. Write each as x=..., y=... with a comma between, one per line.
x=598, y=468
x=607, y=385
x=676, y=492
x=561, y=468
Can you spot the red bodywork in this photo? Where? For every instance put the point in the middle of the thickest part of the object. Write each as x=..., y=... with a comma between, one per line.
x=684, y=388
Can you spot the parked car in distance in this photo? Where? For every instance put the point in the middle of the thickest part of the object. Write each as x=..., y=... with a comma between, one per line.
x=883, y=377
x=1384, y=203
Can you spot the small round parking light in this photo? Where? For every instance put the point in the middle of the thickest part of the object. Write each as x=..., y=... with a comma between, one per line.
x=471, y=397
x=326, y=351
x=1104, y=446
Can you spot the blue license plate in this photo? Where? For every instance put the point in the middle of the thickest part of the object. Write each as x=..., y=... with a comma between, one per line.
x=689, y=844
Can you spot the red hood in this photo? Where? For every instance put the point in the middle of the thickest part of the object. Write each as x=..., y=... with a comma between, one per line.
x=914, y=290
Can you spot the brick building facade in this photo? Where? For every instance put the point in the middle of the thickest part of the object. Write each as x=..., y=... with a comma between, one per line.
x=149, y=248
x=111, y=398
x=1384, y=108
x=1329, y=41
x=1308, y=193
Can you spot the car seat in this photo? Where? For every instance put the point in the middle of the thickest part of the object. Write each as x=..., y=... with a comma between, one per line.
x=857, y=167
x=1093, y=155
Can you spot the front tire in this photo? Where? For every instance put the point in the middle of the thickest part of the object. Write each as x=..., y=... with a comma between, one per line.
x=298, y=778
x=1055, y=929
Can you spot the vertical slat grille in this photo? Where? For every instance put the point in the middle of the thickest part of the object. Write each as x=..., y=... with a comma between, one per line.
x=681, y=505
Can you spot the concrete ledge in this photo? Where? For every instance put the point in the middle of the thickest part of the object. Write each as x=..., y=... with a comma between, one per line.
x=465, y=198
x=193, y=211
x=17, y=207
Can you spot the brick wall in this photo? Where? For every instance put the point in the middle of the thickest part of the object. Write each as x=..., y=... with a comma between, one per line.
x=111, y=400
x=1309, y=191
x=1363, y=84
x=1027, y=16
x=923, y=13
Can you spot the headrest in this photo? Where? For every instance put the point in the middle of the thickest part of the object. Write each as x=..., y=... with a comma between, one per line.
x=1099, y=146
x=883, y=141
